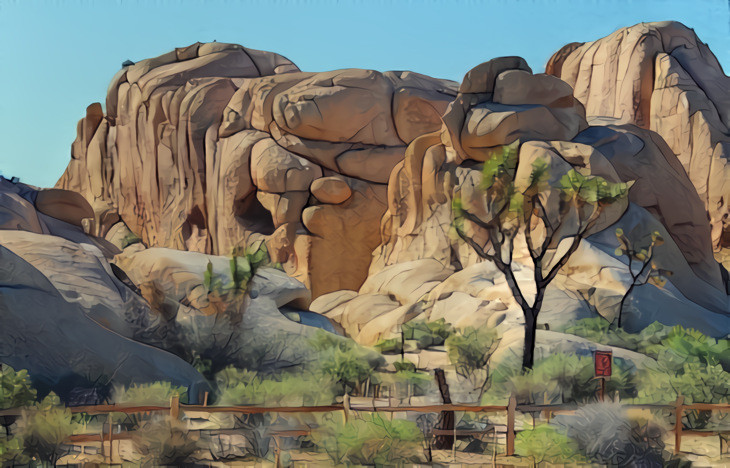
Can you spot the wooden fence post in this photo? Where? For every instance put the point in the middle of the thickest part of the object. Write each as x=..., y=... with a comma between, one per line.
x=447, y=419
x=175, y=406
x=346, y=406
x=511, y=425
x=111, y=444
x=678, y=413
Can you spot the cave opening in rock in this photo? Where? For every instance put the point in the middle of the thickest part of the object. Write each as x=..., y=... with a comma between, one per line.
x=253, y=216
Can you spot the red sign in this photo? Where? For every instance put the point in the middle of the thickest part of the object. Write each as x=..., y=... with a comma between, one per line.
x=603, y=360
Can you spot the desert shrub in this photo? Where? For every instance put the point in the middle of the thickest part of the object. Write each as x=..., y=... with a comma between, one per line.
x=600, y=330
x=165, y=441
x=344, y=361
x=45, y=427
x=389, y=346
x=370, y=440
x=241, y=387
x=559, y=378
x=11, y=452
x=469, y=351
x=606, y=435
x=682, y=345
x=427, y=334
x=15, y=388
x=671, y=344
x=129, y=239
x=153, y=394
x=406, y=377
x=695, y=381
x=545, y=444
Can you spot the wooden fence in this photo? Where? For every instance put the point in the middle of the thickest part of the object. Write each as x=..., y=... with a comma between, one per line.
x=175, y=408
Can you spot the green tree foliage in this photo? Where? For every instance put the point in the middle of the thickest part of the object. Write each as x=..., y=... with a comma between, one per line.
x=243, y=265
x=242, y=387
x=558, y=378
x=686, y=363
x=427, y=334
x=11, y=452
x=469, y=351
x=370, y=439
x=152, y=394
x=545, y=444
x=45, y=427
x=344, y=361
x=518, y=208
x=165, y=441
x=642, y=268
x=15, y=388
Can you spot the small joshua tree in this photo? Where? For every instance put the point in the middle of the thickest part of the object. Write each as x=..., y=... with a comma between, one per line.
x=641, y=265
x=550, y=215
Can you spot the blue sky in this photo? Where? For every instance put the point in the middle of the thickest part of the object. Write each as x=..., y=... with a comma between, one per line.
x=58, y=56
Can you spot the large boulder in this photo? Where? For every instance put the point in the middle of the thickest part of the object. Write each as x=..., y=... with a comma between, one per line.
x=660, y=76
x=215, y=146
x=422, y=271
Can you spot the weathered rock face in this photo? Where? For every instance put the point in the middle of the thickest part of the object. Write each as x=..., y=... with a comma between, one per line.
x=216, y=146
x=349, y=177
x=74, y=319
x=421, y=270
x=65, y=316
x=660, y=76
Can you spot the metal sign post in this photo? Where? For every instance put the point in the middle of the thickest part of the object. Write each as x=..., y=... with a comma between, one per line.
x=603, y=361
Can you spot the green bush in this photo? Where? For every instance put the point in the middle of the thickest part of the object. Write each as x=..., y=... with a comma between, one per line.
x=470, y=349
x=344, y=361
x=427, y=334
x=406, y=375
x=15, y=388
x=11, y=452
x=152, y=394
x=389, y=346
x=545, y=444
x=559, y=378
x=45, y=427
x=129, y=239
x=370, y=440
x=681, y=345
x=240, y=387
x=165, y=441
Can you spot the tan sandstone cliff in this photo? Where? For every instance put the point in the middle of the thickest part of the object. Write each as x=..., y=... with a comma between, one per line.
x=661, y=77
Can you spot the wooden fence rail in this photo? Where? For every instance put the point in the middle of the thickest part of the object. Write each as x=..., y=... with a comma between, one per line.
x=175, y=408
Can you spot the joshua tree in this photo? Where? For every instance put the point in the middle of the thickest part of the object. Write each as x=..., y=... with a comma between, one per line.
x=553, y=215
x=641, y=265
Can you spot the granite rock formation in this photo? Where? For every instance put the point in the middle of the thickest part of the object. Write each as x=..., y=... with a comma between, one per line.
x=421, y=271
x=661, y=77
x=348, y=177
x=216, y=146
x=73, y=317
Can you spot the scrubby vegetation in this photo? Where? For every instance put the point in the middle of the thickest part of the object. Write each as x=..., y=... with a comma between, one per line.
x=15, y=388
x=546, y=444
x=600, y=433
x=153, y=394
x=165, y=441
x=44, y=429
x=370, y=439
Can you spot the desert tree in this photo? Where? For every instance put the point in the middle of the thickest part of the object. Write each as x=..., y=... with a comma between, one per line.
x=642, y=267
x=551, y=212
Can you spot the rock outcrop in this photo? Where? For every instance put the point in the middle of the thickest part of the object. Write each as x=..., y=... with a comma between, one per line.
x=660, y=76
x=75, y=320
x=216, y=146
x=348, y=177
x=421, y=271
